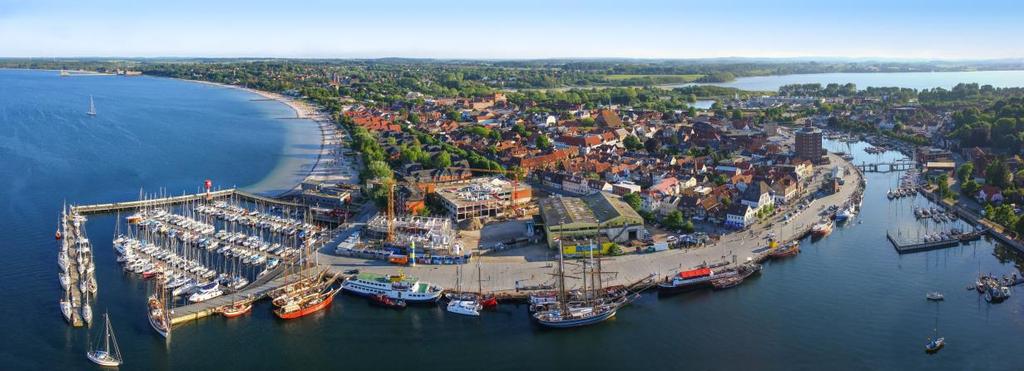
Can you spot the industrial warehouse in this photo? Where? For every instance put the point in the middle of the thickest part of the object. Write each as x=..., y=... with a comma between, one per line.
x=598, y=218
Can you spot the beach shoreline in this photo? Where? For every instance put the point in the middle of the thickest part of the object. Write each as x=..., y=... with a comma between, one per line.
x=298, y=173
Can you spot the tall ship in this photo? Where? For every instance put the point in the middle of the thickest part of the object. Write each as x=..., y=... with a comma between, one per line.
x=592, y=309
x=159, y=313
x=399, y=287
x=303, y=305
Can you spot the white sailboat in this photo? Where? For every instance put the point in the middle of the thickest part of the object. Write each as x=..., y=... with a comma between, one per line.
x=86, y=309
x=65, y=307
x=110, y=354
x=92, y=107
x=463, y=305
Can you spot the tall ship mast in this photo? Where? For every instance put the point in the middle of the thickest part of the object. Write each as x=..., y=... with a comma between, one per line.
x=568, y=314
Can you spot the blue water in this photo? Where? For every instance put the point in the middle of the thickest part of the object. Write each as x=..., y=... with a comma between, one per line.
x=150, y=133
x=847, y=302
x=915, y=80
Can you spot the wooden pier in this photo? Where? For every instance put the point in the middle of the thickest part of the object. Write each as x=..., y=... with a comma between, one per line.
x=72, y=240
x=255, y=291
x=173, y=200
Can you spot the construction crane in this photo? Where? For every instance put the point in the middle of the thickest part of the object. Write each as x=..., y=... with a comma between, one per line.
x=513, y=208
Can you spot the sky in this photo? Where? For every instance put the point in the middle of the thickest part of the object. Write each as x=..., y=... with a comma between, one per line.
x=517, y=29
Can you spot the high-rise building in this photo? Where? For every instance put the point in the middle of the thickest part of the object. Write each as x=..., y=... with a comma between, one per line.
x=808, y=144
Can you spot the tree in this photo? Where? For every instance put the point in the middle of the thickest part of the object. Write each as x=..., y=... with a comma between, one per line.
x=633, y=200
x=632, y=143
x=652, y=145
x=737, y=114
x=998, y=174
x=969, y=188
x=691, y=112
x=964, y=172
x=674, y=220
x=543, y=142
x=442, y=160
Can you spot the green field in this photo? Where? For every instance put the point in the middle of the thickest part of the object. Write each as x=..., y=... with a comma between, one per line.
x=670, y=79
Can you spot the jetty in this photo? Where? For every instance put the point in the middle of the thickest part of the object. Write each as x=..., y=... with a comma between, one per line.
x=79, y=260
x=255, y=291
x=109, y=208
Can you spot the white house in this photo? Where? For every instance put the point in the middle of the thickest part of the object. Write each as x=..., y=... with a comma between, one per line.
x=740, y=216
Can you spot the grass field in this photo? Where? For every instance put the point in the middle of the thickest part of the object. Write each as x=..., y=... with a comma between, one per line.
x=673, y=78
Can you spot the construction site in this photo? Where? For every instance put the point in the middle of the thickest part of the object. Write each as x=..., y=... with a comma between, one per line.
x=432, y=236
x=484, y=198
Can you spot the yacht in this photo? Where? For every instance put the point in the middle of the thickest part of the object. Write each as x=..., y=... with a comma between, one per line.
x=206, y=292
x=465, y=307
x=106, y=356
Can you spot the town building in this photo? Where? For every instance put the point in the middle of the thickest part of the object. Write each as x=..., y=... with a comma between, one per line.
x=487, y=197
x=599, y=217
x=808, y=144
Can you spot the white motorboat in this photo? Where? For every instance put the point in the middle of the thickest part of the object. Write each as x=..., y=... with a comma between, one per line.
x=465, y=307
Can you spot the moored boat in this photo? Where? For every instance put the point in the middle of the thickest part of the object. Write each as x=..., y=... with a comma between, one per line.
x=305, y=307
x=394, y=286
x=822, y=228
x=465, y=307
x=382, y=300
x=109, y=355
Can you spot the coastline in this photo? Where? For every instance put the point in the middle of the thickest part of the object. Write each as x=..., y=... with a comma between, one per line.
x=293, y=172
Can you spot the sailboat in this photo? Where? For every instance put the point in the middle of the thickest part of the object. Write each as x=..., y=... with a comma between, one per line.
x=159, y=317
x=92, y=108
x=65, y=307
x=86, y=309
x=589, y=312
x=936, y=343
x=463, y=305
x=110, y=354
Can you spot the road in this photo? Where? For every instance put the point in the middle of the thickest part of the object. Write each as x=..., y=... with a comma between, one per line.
x=503, y=273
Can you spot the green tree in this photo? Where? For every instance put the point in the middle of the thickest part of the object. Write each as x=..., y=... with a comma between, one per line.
x=691, y=112
x=543, y=142
x=998, y=174
x=674, y=220
x=737, y=114
x=442, y=160
x=964, y=172
x=632, y=142
x=652, y=145
x=633, y=200
x=969, y=188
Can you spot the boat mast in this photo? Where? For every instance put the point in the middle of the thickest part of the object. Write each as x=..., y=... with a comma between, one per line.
x=561, y=278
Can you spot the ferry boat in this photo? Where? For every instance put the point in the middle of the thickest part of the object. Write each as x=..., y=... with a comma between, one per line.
x=394, y=286
x=822, y=228
x=691, y=280
x=206, y=292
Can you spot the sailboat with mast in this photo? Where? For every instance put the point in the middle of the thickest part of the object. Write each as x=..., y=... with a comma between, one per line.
x=159, y=313
x=592, y=309
x=92, y=107
x=467, y=306
x=109, y=355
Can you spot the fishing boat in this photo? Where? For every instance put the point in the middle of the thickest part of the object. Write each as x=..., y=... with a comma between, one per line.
x=382, y=300
x=109, y=355
x=394, y=286
x=92, y=108
x=845, y=214
x=822, y=228
x=934, y=296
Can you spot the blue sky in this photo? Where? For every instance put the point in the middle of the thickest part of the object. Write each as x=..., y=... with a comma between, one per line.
x=936, y=29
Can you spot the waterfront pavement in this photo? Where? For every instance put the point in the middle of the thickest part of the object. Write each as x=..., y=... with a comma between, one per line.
x=503, y=273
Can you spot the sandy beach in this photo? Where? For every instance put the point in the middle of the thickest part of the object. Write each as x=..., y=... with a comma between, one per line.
x=304, y=147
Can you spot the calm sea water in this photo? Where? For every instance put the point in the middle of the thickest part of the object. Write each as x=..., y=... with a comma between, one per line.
x=847, y=302
x=915, y=80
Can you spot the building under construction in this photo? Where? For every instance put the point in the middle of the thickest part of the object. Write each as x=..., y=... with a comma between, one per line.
x=487, y=197
x=435, y=236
